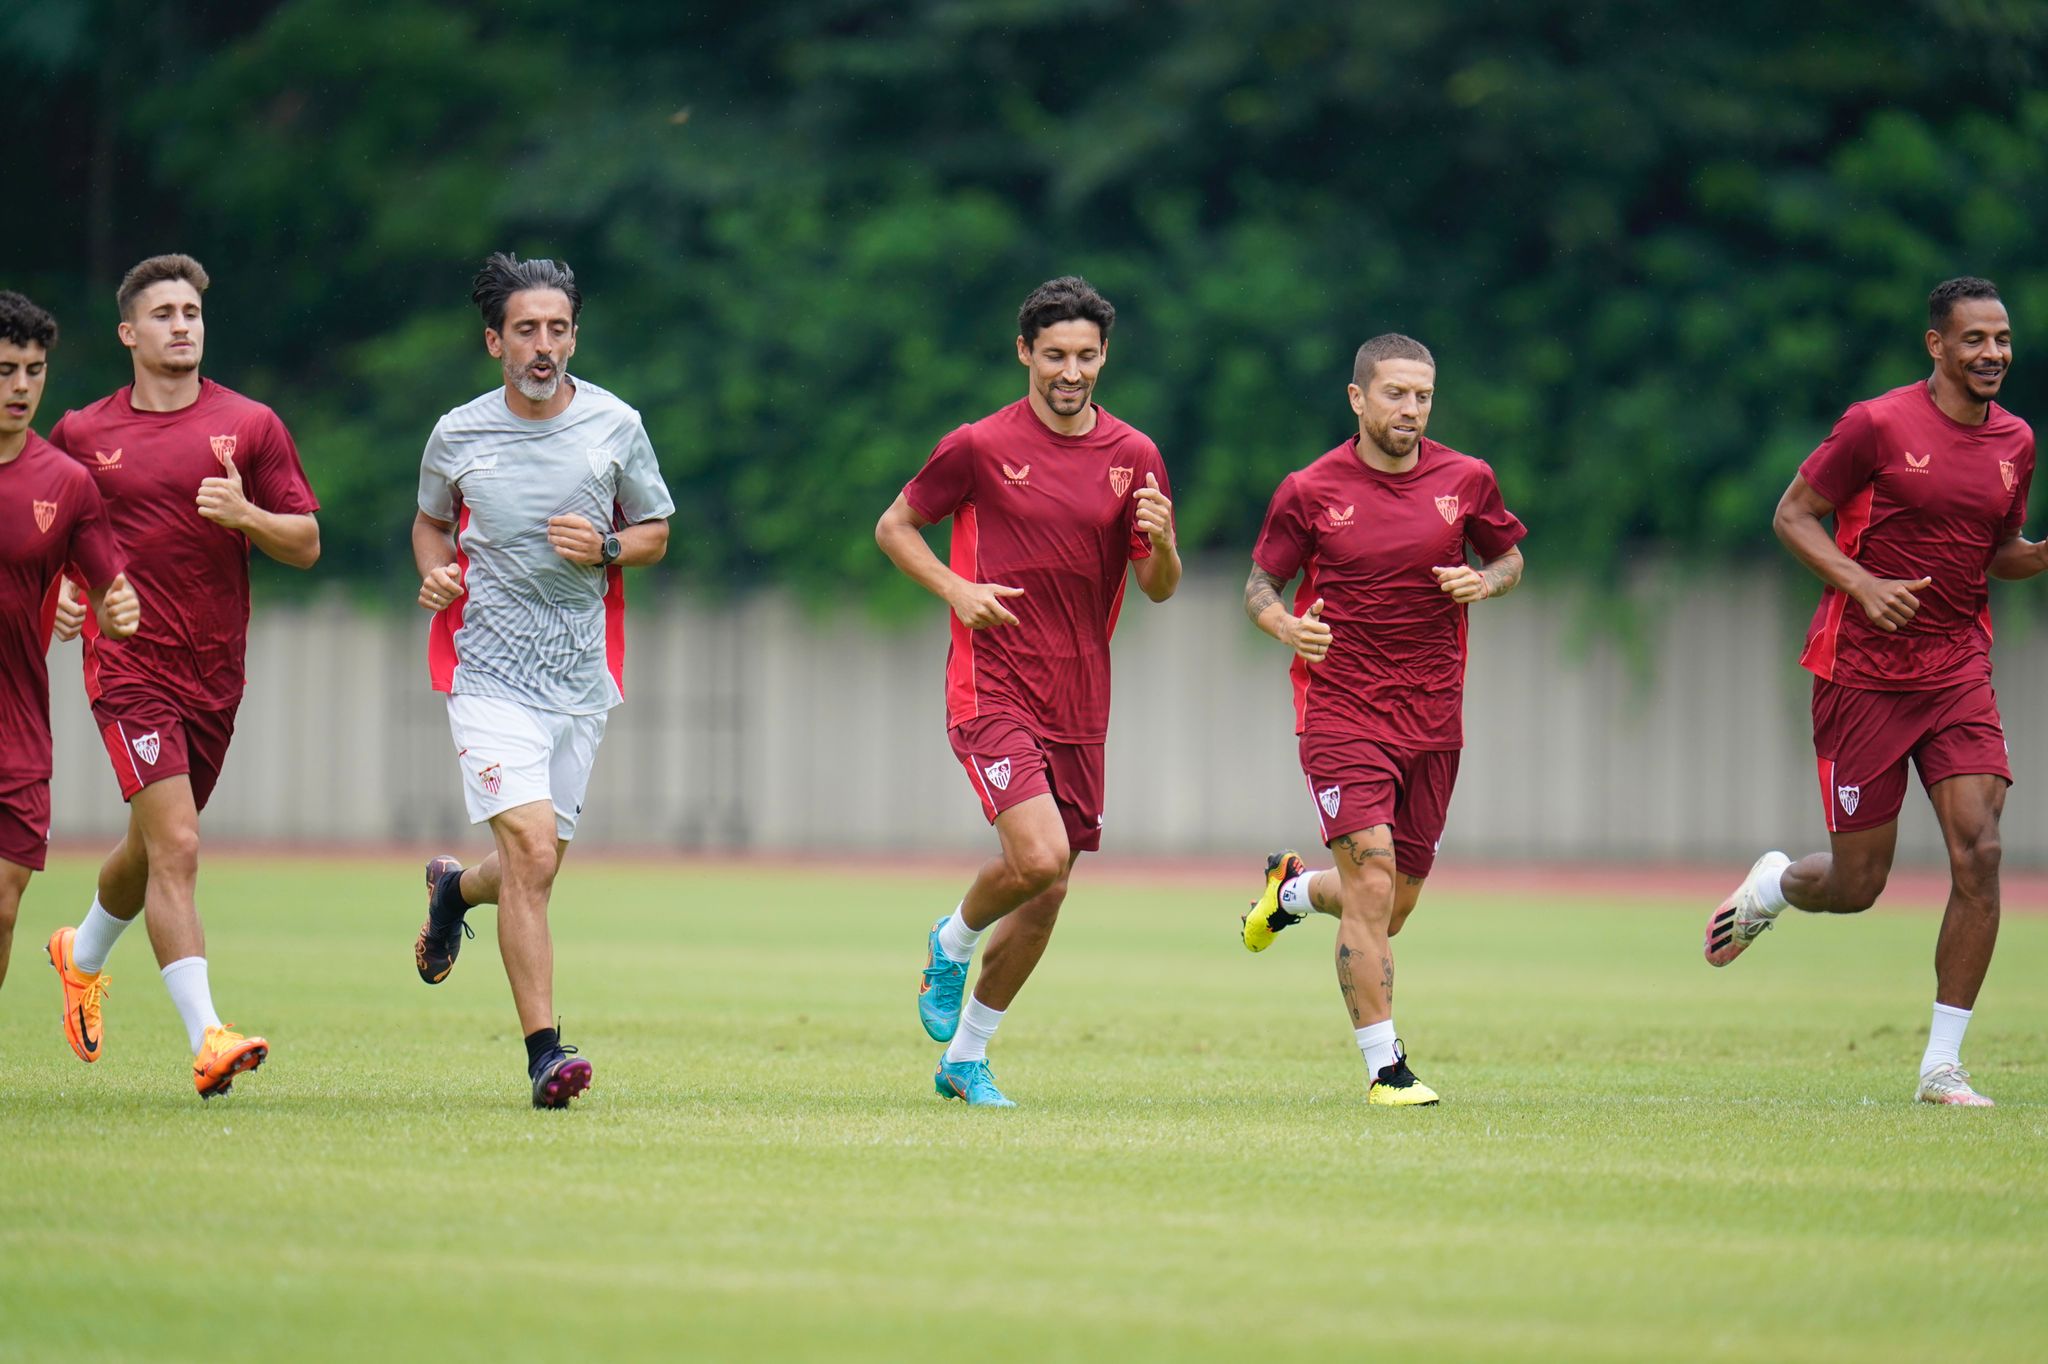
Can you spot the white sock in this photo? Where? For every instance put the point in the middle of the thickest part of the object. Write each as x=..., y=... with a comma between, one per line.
x=978, y=1023
x=1294, y=896
x=956, y=939
x=1376, y=1044
x=1770, y=891
x=98, y=931
x=185, y=978
x=1945, y=1038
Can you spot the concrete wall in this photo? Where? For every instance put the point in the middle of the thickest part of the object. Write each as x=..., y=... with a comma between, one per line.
x=759, y=725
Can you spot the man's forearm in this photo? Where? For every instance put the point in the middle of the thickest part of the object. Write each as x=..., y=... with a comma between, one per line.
x=914, y=558
x=433, y=544
x=1810, y=544
x=1503, y=574
x=2019, y=558
x=1159, y=575
x=291, y=539
x=643, y=544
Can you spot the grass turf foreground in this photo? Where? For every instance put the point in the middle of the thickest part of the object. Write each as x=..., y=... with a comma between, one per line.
x=1637, y=1158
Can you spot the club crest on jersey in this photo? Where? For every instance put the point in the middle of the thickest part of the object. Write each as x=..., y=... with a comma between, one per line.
x=999, y=774
x=149, y=746
x=1918, y=465
x=1447, y=508
x=223, y=449
x=1340, y=519
x=1120, y=480
x=2008, y=473
x=46, y=515
x=1850, y=796
x=493, y=779
x=107, y=461
x=600, y=460
x=1018, y=477
x=1330, y=797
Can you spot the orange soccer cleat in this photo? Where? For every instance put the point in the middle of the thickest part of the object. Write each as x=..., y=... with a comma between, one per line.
x=83, y=992
x=222, y=1056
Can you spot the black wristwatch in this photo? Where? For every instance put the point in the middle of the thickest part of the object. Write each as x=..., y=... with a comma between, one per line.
x=610, y=551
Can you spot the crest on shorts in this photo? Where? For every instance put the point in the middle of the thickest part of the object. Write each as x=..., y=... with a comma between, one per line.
x=223, y=449
x=46, y=515
x=1850, y=796
x=1120, y=480
x=493, y=778
x=1340, y=519
x=1447, y=507
x=148, y=746
x=1330, y=797
x=999, y=773
x=2008, y=473
x=1021, y=477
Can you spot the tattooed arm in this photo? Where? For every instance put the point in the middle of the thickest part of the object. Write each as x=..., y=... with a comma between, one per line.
x=1494, y=578
x=1306, y=635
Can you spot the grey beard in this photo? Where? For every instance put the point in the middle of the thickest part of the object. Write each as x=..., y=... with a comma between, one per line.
x=536, y=390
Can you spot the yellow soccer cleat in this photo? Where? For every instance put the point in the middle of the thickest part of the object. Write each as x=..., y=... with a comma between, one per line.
x=1396, y=1086
x=222, y=1056
x=83, y=992
x=1266, y=917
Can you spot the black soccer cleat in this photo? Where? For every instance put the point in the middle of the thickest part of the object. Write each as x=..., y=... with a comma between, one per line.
x=559, y=1076
x=440, y=943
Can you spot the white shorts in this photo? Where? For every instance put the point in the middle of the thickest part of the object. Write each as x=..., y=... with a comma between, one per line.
x=512, y=755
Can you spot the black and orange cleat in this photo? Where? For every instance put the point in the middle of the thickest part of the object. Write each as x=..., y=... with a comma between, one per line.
x=222, y=1056
x=440, y=940
x=83, y=992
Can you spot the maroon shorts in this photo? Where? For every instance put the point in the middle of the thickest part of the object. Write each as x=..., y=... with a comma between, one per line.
x=1357, y=783
x=151, y=736
x=1863, y=738
x=25, y=824
x=1008, y=765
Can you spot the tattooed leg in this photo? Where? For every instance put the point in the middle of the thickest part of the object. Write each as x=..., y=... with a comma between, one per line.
x=1406, y=893
x=1365, y=962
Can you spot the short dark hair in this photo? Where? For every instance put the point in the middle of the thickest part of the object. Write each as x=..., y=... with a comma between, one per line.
x=1388, y=346
x=504, y=275
x=24, y=324
x=156, y=270
x=1066, y=299
x=1942, y=302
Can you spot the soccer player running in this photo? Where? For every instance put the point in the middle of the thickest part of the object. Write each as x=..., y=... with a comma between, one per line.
x=1050, y=497
x=50, y=517
x=1378, y=529
x=1927, y=485
x=532, y=499
x=193, y=475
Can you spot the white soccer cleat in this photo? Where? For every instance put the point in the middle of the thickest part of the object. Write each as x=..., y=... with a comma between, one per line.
x=1737, y=920
x=1949, y=1083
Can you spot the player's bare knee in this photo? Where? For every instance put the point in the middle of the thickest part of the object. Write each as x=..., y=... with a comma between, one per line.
x=173, y=850
x=1974, y=864
x=1038, y=867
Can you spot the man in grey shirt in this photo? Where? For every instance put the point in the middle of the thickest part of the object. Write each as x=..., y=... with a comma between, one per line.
x=532, y=498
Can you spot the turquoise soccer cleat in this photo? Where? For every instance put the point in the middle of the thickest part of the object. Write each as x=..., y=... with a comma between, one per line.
x=969, y=1080
x=938, y=994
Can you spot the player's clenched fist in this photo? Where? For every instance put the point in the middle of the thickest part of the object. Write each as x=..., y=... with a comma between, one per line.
x=1155, y=513
x=120, y=609
x=1464, y=582
x=1307, y=635
x=575, y=539
x=221, y=500
x=441, y=587
x=70, y=612
x=980, y=605
x=1890, y=603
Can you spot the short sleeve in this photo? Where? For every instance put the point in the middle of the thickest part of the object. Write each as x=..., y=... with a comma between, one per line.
x=1846, y=461
x=1286, y=539
x=643, y=496
x=1148, y=463
x=1491, y=528
x=2016, y=514
x=275, y=481
x=437, y=478
x=946, y=481
x=94, y=551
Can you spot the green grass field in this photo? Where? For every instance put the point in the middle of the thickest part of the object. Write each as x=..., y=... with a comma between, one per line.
x=1637, y=1158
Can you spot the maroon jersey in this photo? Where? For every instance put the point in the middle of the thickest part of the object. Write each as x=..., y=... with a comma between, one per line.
x=1917, y=495
x=1365, y=542
x=1057, y=516
x=192, y=575
x=50, y=516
